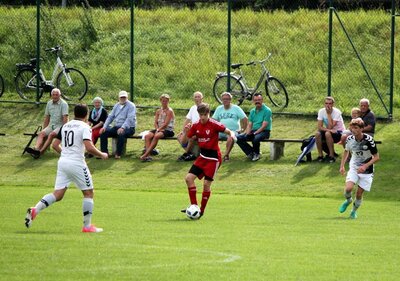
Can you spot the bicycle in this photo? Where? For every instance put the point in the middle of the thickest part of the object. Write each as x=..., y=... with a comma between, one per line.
x=274, y=89
x=71, y=81
x=1, y=85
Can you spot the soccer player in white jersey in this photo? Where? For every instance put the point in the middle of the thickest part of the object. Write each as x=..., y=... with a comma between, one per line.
x=361, y=168
x=74, y=137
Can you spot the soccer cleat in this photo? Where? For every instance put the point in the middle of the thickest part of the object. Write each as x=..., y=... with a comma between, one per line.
x=353, y=214
x=92, y=228
x=30, y=216
x=183, y=210
x=256, y=157
x=344, y=206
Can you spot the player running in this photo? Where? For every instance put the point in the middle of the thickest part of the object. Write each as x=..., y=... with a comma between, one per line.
x=364, y=154
x=74, y=137
x=205, y=131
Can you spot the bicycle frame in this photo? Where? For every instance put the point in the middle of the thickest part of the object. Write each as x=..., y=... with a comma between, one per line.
x=264, y=75
x=58, y=67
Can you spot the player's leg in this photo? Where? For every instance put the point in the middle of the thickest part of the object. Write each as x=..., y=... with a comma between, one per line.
x=205, y=196
x=357, y=202
x=45, y=202
x=364, y=184
x=191, y=186
x=347, y=195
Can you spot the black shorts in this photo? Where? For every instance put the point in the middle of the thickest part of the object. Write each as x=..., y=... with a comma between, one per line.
x=167, y=133
x=336, y=136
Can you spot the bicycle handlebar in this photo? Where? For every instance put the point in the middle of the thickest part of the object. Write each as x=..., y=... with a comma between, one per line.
x=54, y=49
x=259, y=61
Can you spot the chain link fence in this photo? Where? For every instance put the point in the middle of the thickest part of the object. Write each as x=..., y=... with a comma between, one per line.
x=178, y=49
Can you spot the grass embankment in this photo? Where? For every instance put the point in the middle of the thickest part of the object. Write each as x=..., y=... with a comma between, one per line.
x=179, y=51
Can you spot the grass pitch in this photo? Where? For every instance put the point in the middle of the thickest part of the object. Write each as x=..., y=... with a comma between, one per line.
x=241, y=237
x=265, y=221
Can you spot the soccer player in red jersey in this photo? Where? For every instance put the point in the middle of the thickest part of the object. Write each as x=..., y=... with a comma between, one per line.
x=205, y=131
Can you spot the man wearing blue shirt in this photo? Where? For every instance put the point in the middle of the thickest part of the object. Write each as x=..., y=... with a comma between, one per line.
x=233, y=117
x=258, y=128
x=123, y=115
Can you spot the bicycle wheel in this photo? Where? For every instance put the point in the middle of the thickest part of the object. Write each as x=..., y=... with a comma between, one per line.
x=25, y=84
x=276, y=92
x=236, y=89
x=72, y=84
x=1, y=85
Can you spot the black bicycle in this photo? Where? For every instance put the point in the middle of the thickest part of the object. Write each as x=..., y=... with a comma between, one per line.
x=274, y=89
x=71, y=81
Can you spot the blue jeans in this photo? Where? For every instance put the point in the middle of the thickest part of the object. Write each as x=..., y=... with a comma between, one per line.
x=255, y=139
x=112, y=133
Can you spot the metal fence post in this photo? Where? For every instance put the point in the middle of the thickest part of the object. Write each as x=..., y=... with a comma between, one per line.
x=37, y=51
x=132, y=78
x=392, y=37
x=330, y=48
x=228, y=86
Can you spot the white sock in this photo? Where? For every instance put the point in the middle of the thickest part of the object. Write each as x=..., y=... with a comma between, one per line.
x=45, y=202
x=87, y=208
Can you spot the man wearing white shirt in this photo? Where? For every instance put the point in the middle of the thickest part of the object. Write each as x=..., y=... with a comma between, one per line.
x=329, y=129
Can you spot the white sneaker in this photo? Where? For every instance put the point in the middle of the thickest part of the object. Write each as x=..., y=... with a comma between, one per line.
x=30, y=216
x=256, y=157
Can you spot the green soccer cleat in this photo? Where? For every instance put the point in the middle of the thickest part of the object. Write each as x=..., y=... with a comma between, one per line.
x=353, y=214
x=344, y=206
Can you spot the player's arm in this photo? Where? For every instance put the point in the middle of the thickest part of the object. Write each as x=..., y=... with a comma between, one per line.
x=342, y=169
x=90, y=148
x=230, y=133
x=364, y=167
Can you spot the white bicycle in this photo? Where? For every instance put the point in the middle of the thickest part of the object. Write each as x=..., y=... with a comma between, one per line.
x=71, y=81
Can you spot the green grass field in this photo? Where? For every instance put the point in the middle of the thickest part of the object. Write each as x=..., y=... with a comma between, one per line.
x=265, y=221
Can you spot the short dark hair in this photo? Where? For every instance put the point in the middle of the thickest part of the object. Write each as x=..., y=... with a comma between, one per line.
x=81, y=110
x=203, y=108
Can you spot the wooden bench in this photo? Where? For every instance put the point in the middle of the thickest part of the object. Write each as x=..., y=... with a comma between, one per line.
x=277, y=146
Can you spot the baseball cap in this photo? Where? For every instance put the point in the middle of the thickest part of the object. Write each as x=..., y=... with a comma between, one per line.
x=123, y=94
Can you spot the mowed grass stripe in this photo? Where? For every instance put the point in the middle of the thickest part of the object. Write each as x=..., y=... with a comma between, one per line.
x=240, y=238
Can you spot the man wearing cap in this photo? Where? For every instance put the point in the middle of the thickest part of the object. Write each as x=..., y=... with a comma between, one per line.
x=123, y=117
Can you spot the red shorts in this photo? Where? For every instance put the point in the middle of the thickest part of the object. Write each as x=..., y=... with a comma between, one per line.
x=205, y=168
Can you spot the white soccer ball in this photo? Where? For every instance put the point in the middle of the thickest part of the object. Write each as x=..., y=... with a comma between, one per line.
x=193, y=212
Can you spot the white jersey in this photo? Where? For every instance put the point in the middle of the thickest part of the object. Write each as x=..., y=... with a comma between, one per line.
x=361, y=151
x=72, y=135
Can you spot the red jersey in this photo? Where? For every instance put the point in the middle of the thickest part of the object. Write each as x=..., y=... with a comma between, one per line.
x=207, y=137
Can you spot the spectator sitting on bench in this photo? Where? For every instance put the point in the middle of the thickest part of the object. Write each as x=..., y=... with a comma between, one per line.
x=56, y=115
x=233, y=117
x=190, y=145
x=258, y=128
x=329, y=129
x=97, y=117
x=123, y=115
x=163, y=127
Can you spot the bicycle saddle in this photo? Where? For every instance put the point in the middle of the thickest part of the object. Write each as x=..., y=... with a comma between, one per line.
x=236, y=65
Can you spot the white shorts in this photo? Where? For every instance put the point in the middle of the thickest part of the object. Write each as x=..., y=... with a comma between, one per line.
x=363, y=180
x=73, y=171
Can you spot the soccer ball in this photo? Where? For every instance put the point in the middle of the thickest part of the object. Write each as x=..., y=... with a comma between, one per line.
x=193, y=212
